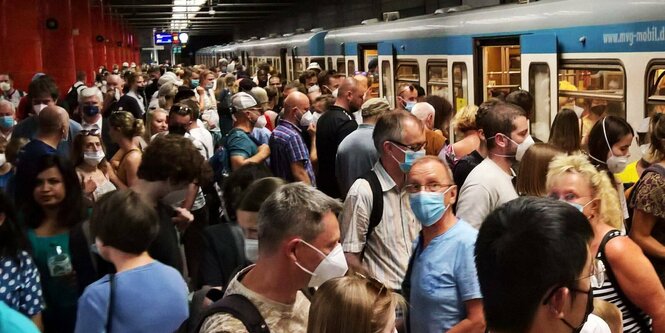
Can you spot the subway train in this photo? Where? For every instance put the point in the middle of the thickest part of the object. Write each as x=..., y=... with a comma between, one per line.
x=562, y=51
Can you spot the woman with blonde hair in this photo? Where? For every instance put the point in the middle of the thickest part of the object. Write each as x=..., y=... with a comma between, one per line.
x=353, y=304
x=123, y=128
x=157, y=122
x=531, y=179
x=464, y=124
x=631, y=282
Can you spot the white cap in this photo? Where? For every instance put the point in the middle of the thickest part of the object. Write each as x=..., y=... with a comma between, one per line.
x=125, y=64
x=169, y=77
x=242, y=101
x=644, y=125
x=313, y=65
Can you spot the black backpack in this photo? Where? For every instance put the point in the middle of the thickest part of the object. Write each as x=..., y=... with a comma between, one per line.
x=72, y=98
x=377, y=207
x=236, y=305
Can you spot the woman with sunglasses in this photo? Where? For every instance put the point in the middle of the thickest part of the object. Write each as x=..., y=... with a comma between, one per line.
x=353, y=304
x=93, y=171
x=630, y=281
x=123, y=128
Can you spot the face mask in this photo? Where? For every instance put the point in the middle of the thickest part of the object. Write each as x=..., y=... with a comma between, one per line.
x=195, y=83
x=5, y=86
x=309, y=117
x=3, y=160
x=117, y=94
x=38, y=108
x=615, y=164
x=174, y=198
x=209, y=86
x=252, y=249
x=428, y=207
x=409, y=106
x=93, y=157
x=578, y=206
x=521, y=147
x=333, y=266
x=314, y=88
x=409, y=157
x=644, y=149
x=6, y=121
x=334, y=93
x=578, y=111
x=140, y=90
x=261, y=122
x=90, y=110
x=598, y=109
x=587, y=311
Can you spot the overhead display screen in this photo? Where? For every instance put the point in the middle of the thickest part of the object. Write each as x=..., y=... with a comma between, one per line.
x=163, y=38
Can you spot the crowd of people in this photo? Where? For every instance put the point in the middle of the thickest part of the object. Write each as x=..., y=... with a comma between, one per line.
x=195, y=199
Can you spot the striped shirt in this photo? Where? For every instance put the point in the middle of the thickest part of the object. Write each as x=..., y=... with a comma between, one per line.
x=287, y=147
x=391, y=244
x=610, y=292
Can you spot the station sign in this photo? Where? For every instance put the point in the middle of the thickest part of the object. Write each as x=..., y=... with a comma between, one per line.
x=162, y=38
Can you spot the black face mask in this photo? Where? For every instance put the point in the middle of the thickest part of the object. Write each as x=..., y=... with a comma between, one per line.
x=140, y=90
x=598, y=109
x=587, y=311
x=177, y=129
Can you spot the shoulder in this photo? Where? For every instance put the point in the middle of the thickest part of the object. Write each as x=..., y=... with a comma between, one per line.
x=222, y=323
x=621, y=247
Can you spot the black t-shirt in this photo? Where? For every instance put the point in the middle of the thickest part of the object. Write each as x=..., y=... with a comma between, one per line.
x=224, y=253
x=331, y=129
x=464, y=166
x=165, y=247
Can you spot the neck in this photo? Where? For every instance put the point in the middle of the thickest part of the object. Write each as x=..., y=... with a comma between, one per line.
x=245, y=126
x=5, y=168
x=342, y=104
x=51, y=140
x=447, y=221
x=393, y=170
x=92, y=120
x=87, y=167
x=599, y=231
x=6, y=131
x=503, y=162
x=270, y=279
x=149, y=191
x=125, y=261
x=370, y=120
x=126, y=144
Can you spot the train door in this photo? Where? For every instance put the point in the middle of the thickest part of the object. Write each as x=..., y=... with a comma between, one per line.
x=367, y=53
x=282, y=64
x=387, y=60
x=539, y=69
x=294, y=63
x=498, y=61
x=350, y=58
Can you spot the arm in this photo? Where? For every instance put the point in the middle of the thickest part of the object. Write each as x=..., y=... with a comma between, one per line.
x=237, y=160
x=640, y=232
x=473, y=204
x=132, y=163
x=313, y=153
x=475, y=319
x=299, y=172
x=354, y=222
x=37, y=320
x=637, y=278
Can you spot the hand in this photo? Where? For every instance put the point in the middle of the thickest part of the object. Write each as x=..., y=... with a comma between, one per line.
x=200, y=90
x=312, y=129
x=89, y=186
x=182, y=218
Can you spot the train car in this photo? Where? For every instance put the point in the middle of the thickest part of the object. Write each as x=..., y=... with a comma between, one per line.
x=565, y=52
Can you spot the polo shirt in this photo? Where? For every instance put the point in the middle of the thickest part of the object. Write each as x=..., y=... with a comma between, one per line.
x=333, y=126
x=287, y=147
x=355, y=156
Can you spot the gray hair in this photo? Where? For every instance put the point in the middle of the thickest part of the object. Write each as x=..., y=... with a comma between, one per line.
x=7, y=104
x=90, y=92
x=169, y=90
x=294, y=209
x=391, y=127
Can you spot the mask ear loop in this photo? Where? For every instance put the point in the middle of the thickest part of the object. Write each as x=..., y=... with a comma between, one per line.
x=606, y=140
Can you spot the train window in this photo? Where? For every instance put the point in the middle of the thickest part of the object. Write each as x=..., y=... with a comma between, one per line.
x=350, y=67
x=407, y=71
x=460, y=85
x=387, y=73
x=437, y=78
x=320, y=61
x=290, y=70
x=299, y=68
x=330, y=64
x=655, y=87
x=340, y=66
x=582, y=83
x=540, y=88
x=501, y=66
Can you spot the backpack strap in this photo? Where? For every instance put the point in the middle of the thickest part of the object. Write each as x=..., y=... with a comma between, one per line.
x=632, y=308
x=377, y=207
x=240, y=308
x=406, y=283
x=109, y=315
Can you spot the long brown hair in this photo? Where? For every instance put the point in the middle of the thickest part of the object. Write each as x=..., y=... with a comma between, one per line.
x=533, y=169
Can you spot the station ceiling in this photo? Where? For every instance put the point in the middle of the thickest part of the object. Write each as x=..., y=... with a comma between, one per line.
x=197, y=17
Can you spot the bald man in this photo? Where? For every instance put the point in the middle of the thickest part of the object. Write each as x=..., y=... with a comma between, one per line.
x=364, y=86
x=290, y=159
x=434, y=137
x=332, y=128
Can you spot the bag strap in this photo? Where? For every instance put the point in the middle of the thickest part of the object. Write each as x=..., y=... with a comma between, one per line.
x=240, y=308
x=632, y=308
x=109, y=315
x=377, y=207
x=406, y=283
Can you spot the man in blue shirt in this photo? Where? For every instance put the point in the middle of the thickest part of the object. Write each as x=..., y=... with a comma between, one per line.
x=445, y=294
x=241, y=145
x=290, y=156
x=148, y=296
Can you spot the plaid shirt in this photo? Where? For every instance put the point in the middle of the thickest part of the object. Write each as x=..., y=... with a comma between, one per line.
x=286, y=147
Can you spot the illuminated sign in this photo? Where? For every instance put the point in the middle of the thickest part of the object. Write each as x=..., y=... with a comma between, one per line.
x=163, y=38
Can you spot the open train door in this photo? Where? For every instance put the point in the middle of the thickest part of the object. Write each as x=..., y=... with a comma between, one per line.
x=387, y=60
x=282, y=63
x=539, y=77
x=366, y=54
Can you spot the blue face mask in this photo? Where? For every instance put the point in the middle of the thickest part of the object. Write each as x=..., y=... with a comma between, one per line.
x=410, y=156
x=428, y=207
x=6, y=121
x=195, y=83
x=578, y=206
x=409, y=106
x=90, y=110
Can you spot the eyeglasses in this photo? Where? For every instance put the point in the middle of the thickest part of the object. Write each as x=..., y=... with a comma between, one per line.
x=181, y=110
x=431, y=187
x=597, y=279
x=414, y=147
x=89, y=132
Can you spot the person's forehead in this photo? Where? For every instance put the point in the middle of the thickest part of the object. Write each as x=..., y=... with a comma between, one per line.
x=91, y=99
x=429, y=170
x=4, y=77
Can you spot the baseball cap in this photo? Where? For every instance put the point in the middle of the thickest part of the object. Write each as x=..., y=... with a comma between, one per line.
x=374, y=106
x=314, y=65
x=242, y=101
x=260, y=95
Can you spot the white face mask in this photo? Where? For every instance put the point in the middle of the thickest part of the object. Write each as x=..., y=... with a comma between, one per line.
x=252, y=249
x=3, y=159
x=117, y=94
x=175, y=198
x=615, y=164
x=644, y=149
x=93, y=157
x=332, y=266
x=334, y=93
x=38, y=108
x=261, y=122
x=309, y=117
x=5, y=86
x=522, y=147
x=578, y=111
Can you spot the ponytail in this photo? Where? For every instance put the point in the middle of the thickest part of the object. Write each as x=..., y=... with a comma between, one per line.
x=138, y=129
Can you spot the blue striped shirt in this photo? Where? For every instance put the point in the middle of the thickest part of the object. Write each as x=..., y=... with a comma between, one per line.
x=287, y=147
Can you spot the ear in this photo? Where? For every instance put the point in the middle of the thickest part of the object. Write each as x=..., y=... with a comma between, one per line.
x=452, y=195
x=557, y=303
x=500, y=140
x=289, y=248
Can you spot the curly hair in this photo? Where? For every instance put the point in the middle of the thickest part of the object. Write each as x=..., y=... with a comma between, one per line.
x=610, y=208
x=465, y=119
x=173, y=158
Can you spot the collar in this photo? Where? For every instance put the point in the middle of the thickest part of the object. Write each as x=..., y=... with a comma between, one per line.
x=288, y=123
x=97, y=124
x=387, y=183
x=363, y=125
x=494, y=165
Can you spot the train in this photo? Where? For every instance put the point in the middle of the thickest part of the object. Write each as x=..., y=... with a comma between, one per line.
x=564, y=52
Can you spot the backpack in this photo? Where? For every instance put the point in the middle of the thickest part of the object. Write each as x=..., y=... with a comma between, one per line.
x=220, y=162
x=236, y=305
x=224, y=103
x=72, y=98
x=377, y=207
